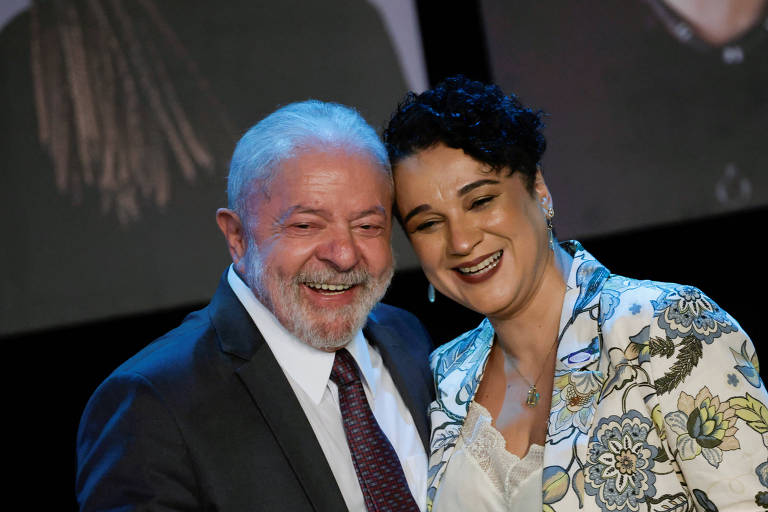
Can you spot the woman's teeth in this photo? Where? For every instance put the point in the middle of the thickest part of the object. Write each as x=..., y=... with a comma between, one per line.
x=484, y=266
x=324, y=287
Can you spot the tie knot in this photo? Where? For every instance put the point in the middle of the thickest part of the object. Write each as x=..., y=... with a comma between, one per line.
x=344, y=369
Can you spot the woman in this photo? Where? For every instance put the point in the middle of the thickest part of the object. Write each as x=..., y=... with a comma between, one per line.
x=580, y=389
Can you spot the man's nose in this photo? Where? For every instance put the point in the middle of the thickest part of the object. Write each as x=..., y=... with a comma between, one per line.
x=340, y=251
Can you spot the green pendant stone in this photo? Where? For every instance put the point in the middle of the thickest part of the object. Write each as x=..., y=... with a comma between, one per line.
x=533, y=396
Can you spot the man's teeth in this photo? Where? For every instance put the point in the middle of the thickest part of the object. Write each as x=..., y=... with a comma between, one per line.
x=329, y=287
x=485, y=265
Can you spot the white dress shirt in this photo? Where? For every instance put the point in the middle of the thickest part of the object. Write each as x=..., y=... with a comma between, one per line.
x=308, y=371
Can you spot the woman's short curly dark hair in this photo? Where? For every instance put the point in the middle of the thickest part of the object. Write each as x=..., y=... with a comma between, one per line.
x=479, y=119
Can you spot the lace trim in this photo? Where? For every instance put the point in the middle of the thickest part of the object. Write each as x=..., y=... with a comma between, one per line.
x=487, y=446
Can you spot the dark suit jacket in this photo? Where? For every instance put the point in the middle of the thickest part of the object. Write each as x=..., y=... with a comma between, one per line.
x=204, y=419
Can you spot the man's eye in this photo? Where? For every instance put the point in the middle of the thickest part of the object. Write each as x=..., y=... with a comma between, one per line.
x=301, y=227
x=370, y=229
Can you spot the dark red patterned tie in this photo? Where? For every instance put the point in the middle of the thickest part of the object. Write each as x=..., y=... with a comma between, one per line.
x=378, y=469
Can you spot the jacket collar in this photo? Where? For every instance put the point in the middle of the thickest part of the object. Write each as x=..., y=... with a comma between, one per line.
x=579, y=343
x=237, y=334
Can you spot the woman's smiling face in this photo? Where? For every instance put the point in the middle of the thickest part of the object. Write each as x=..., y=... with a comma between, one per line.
x=480, y=235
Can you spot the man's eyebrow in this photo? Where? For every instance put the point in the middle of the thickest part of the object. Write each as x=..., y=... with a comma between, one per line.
x=376, y=210
x=416, y=211
x=479, y=183
x=299, y=208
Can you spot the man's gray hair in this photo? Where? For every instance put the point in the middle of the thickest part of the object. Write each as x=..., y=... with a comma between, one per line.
x=289, y=130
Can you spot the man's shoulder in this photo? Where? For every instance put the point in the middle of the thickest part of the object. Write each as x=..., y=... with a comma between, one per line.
x=384, y=313
x=401, y=322
x=175, y=349
x=396, y=318
x=195, y=341
x=180, y=370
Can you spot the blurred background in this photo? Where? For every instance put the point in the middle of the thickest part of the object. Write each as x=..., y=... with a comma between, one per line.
x=118, y=117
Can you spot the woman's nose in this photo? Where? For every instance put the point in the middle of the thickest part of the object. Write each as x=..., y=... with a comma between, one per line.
x=462, y=238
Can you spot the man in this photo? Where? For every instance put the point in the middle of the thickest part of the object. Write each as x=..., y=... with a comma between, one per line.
x=263, y=399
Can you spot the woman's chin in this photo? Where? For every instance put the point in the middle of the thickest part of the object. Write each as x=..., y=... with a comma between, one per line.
x=485, y=305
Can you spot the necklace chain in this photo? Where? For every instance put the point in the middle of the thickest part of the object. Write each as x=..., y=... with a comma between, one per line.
x=532, y=399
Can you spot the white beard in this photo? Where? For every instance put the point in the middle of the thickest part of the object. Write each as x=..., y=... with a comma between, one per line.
x=321, y=328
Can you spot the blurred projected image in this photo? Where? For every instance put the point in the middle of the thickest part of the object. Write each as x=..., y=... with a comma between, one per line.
x=108, y=100
x=119, y=118
x=659, y=107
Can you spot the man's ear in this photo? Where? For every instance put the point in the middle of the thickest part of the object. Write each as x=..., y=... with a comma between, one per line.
x=234, y=233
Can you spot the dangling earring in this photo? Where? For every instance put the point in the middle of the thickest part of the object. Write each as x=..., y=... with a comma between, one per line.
x=431, y=293
x=549, y=215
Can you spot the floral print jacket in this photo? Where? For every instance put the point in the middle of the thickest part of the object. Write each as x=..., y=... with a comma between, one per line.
x=657, y=402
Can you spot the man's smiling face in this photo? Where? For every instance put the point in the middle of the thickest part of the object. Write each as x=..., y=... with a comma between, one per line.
x=318, y=253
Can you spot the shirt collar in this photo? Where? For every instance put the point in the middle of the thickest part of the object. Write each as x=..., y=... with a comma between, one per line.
x=307, y=366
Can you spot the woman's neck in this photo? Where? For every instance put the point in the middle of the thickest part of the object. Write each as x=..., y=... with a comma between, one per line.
x=528, y=333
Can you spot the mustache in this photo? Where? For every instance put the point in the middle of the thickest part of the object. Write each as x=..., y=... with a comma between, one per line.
x=355, y=276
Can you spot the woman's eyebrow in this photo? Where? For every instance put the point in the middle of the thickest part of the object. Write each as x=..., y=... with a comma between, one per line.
x=479, y=183
x=416, y=211
x=462, y=191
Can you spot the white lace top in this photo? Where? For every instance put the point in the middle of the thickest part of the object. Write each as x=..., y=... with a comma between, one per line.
x=483, y=476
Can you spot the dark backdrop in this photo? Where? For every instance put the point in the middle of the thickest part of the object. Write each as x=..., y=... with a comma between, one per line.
x=49, y=375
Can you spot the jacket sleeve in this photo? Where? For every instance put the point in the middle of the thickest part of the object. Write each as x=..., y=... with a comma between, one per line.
x=713, y=406
x=130, y=452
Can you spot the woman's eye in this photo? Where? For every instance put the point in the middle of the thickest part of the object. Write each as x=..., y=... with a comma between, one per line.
x=424, y=226
x=480, y=201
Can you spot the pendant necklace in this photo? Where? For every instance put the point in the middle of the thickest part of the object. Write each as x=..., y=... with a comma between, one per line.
x=532, y=399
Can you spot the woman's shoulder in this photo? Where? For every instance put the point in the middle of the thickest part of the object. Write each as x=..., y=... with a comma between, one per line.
x=670, y=309
x=464, y=351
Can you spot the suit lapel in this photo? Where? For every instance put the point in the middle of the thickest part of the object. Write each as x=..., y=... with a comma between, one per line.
x=275, y=399
x=272, y=394
x=405, y=372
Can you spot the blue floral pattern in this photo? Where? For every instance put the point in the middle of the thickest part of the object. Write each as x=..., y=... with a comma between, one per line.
x=684, y=310
x=620, y=462
x=645, y=404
